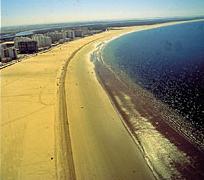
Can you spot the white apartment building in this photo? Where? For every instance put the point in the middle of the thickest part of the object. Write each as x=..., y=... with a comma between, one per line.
x=56, y=36
x=85, y=30
x=70, y=34
x=79, y=33
x=42, y=40
x=7, y=53
x=19, y=39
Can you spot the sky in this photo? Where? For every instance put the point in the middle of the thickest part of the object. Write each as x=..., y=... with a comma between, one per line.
x=20, y=12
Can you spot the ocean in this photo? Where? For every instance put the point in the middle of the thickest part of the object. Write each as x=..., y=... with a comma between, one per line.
x=168, y=62
x=155, y=79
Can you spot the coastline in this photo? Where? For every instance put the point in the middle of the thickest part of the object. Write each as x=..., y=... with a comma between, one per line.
x=30, y=132
x=87, y=102
x=81, y=110
x=30, y=122
x=190, y=155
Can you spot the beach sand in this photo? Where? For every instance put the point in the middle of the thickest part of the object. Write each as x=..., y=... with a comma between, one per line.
x=41, y=119
x=102, y=147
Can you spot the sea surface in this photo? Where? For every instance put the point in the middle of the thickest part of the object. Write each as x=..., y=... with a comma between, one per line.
x=168, y=62
x=155, y=79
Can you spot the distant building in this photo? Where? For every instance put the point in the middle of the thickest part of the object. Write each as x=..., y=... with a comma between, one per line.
x=56, y=36
x=7, y=53
x=53, y=36
x=79, y=33
x=85, y=30
x=70, y=34
x=27, y=47
x=64, y=34
x=42, y=40
x=19, y=39
x=91, y=32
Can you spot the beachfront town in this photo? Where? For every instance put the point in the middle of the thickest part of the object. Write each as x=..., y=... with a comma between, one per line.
x=18, y=47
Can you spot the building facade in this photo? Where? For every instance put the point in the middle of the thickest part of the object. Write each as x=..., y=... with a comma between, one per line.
x=70, y=34
x=85, y=30
x=42, y=40
x=27, y=47
x=19, y=39
x=7, y=53
x=56, y=36
x=79, y=33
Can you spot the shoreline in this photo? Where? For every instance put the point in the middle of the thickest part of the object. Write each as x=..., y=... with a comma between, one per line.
x=84, y=97
x=30, y=126
x=98, y=52
x=193, y=154
x=125, y=123
x=30, y=129
x=77, y=90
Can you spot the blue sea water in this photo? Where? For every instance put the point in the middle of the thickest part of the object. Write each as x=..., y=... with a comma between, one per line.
x=167, y=61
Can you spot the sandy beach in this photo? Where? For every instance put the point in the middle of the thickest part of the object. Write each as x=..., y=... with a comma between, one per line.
x=102, y=148
x=57, y=122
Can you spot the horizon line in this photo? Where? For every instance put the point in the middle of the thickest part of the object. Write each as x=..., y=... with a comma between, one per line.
x=105, y=20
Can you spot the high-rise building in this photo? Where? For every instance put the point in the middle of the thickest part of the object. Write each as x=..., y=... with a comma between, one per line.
x=19, y=39
x=7, y=53
x=70, y=34
x=27, y=46
x=42, y=40
x=85, y=30
x=79, y=33
x=56, y=36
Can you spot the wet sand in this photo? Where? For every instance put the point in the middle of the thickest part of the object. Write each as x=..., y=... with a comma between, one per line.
x=170, y=154
x=38, y=127
x=162, y=135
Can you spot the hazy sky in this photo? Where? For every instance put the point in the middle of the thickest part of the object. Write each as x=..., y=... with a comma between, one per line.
x=15, y=12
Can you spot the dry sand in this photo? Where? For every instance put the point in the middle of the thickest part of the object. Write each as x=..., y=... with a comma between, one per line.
x=35, y=137
x=102, y=147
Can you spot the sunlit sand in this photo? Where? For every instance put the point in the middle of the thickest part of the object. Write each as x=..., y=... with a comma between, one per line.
x=57, y=122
